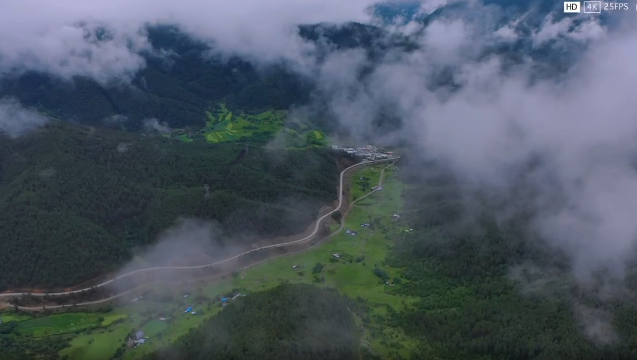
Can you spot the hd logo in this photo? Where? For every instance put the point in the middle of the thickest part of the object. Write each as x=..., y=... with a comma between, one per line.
x=571, y=6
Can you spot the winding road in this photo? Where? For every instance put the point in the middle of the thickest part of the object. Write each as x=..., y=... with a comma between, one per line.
x=304, y=239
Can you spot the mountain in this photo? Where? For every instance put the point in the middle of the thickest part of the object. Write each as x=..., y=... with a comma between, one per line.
x=76, y=201
x=184, y=81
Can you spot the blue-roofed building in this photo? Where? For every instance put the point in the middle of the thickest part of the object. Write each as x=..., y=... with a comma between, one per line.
x=224, y=299
x=189, y=309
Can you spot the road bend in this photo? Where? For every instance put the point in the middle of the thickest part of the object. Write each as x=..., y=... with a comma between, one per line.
x=304, y=239
x=341, y=227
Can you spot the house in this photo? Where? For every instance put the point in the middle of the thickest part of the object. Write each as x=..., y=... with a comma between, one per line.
x=236, y=296
x=139, y=335
x=224, y=299
x=193, y=313
x=336, y=255
x=293, y=267
x=162, y=319
x=135, y=299
x=336, y=147
x=371, y=148
x=188, y=310
x=186, y=295
x=396, y=216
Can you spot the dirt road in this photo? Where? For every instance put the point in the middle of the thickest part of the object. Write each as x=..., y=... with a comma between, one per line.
x=301, y=240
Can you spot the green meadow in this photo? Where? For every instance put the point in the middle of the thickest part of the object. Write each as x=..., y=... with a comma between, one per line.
x=273, y=126
x=364, y=180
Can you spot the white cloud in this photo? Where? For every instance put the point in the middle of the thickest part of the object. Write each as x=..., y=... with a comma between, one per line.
x=15, y=120
x=154, y=124
x=59, y=36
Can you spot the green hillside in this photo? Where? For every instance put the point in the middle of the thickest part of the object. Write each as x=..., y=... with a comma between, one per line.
x=75, y=201
x=272, y=127
x=287, y=322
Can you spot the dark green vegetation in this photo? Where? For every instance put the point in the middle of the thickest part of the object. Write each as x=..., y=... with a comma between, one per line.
x=179, y=88
x=14, y=348
x=470, y=309
x=75, y=202
x=287, y=322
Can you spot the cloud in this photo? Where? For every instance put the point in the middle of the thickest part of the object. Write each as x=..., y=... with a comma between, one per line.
x=494, y=120
x=153, y=124
x=15, y=120
x=578, y=128
x=62, y=37
x=582, y=128
x=588, y=29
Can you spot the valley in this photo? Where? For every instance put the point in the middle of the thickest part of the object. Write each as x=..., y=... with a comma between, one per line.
x=99, y=333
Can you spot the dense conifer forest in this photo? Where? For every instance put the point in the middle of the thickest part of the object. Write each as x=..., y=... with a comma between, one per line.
x=288, y=322
x=470, y=307
x=76, y=202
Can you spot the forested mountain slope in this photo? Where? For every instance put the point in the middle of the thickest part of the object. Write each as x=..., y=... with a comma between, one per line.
x=458, y=261
x=287, y=322
x=188, y=78
x=75, y=201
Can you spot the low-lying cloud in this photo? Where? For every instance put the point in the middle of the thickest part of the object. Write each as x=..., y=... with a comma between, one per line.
x=155, y=125
x=580, y=127
x=15, y=120
x=102, y=39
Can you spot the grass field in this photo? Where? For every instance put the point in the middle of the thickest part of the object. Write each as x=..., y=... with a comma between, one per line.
x=353, y=273
x=364, y=180
x=59, y=324
x=99, y=335
x=221, y=125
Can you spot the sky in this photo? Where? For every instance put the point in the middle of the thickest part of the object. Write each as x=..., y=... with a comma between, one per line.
x=583, y=127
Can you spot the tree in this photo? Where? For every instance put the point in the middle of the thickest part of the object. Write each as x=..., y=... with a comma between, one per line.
x=318, y=267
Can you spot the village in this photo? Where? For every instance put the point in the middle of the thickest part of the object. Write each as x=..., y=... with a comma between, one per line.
x=140, y=338
x=369, y=152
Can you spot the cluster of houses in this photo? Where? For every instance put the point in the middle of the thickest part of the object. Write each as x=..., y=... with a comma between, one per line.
x=365, y=225
x=350, y=232
x=369, y=152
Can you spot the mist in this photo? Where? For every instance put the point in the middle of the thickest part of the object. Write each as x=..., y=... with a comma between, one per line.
x=15, y=120
x=579, y=127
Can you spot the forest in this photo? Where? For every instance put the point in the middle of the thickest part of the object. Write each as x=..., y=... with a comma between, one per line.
x=17, y=348
x=288, y=322
x=76, y=202
x=458, y=262
x=179, y=88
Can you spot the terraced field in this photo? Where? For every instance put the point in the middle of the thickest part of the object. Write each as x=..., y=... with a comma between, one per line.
x=272, y=127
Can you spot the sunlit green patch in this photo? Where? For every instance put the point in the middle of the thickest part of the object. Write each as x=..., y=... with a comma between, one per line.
x=59, y=324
